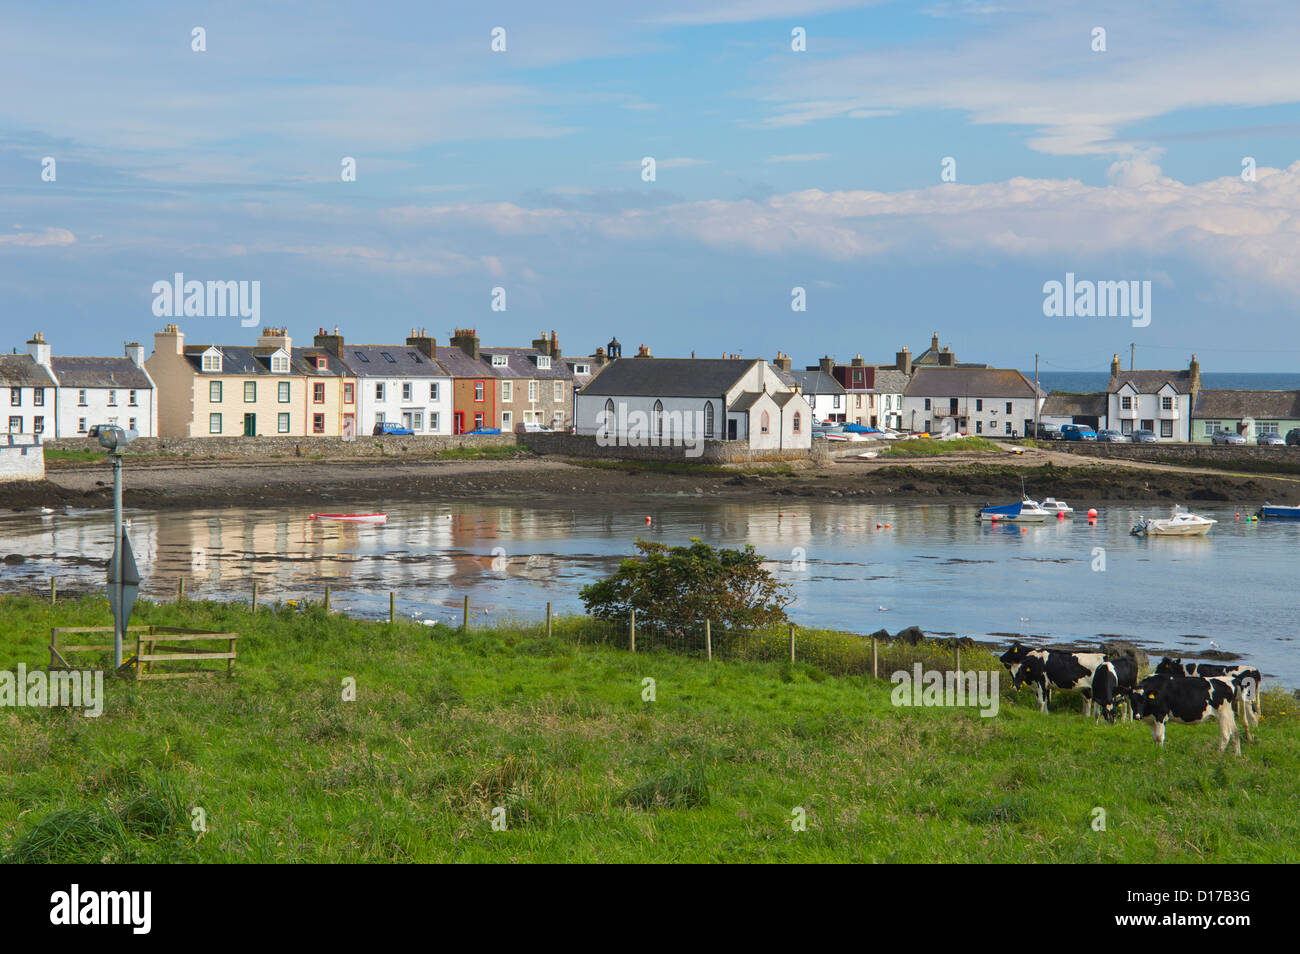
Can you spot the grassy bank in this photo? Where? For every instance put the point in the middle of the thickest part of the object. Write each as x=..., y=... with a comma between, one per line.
x=929, y=447
x=448, y=725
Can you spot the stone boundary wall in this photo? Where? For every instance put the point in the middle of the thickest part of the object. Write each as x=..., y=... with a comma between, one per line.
x=1182, y=453
x=388, y=445
x=712, y=452
x=21, y=458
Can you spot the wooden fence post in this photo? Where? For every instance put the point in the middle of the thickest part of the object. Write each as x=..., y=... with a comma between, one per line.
x=957, y=647
x=708, y=640
x=327, y=597
x=255, y=596
x=180, y=588
x=54, y=593
x=465, y=615
x=392, y=607
x=792, y=642
x=875, y=658
x=548, y=620
x=631, y=630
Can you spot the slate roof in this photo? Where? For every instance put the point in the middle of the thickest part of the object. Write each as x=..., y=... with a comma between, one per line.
x=970, y=382
x=1149, y=382
x=522, y=363
x=817, y=382
x=668, y=377
x=460, y=365
x=304, y=361
x=100, y=373
x=890, y=382
x=746, y=400
x=1282, y=405
x=1075, y=405
x=369, y=361
x=22, y=371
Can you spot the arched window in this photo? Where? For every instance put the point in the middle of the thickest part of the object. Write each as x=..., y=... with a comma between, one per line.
x=659, y=418
x=764, y=423
x=708, y=418
x=607, y=425
x=796, y=422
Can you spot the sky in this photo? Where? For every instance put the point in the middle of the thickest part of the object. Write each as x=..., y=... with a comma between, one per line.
x=1164, y=149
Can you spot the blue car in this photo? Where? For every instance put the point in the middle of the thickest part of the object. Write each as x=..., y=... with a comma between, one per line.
x=485, y=430
x=1077, y=432
x=388, y=427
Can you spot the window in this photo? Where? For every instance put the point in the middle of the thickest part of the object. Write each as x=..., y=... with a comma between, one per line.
x=499, y=361
x=1126, y=402
x=659, y=418
x=406, y=391
x=1166, y=428
x=979, y=404
x=318, y=393
x=214, y=392
x=433, y=420
x=379, y=417
x=532, y=392
x=507, y=418
x=927, y=404
x=979, y=427
x=764, y=423
x=81, y=398
x=1166, y=403
x=284, y=391
x=38, y=424
x=212, y=362
x=130, y=399
x=318, y=423
x=796, y=422
x=388, y=357
x=280, y=364
x=544, y=362
x=214, y=423
x=112, y=397
x=582, y=369
x=362, y=357
x=131, y=424
x=15, y=425
x=835, y=400
x=379, y=390
x=1211, y=427
x=16, y=397
x=433, y=391
x=250, y=392
x=478, y=392
x=322, y=364
x=38, y=397
x=887, y=399
x=81, y=425
x=708, y=417
x=282, y=423
x=859, y=403
x=1267, y=427
x=349, y=393
x=414, y=356
x=607, y=425
x=1008, y=409
x=507, y=390
x=559, y=390
x=478, y=420
x=1008, y=427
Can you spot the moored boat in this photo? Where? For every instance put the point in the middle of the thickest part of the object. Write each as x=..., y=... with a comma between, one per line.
x=1278, y=512
x=1027, y=511
x=1054, y=507
x=1180, y=523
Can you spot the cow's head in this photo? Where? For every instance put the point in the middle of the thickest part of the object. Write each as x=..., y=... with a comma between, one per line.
x=1029, y=671
x=1013, y=655
x=1170, y=667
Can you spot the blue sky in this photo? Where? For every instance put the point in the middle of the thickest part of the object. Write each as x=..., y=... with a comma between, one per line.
x=775, y=169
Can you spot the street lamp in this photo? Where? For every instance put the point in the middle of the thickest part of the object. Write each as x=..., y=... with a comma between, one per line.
x=123, y=577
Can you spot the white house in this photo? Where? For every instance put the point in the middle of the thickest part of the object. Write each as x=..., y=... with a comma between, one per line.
x=1157, y=401
x=27, y=390
x=397, y=384
x=66, y=396
x=825, y=395
x=667, y=401
x=989, y=402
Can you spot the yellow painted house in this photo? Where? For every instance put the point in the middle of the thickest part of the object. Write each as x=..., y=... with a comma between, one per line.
x=269, y=390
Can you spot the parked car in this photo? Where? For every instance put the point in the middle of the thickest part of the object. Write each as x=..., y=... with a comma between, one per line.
x=531, y=427
x=389, y=427
x=1293, y=437
x=1112, y=437
x=1047, y=432
x=1271, y=439
x=1227, y=437
x=1145, y=436
x=485, y=430
x=1077, y=432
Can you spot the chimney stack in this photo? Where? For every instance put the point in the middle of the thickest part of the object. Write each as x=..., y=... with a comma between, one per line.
x=135, y=351
x=1115, y=366
x=782, y=361
x=331, y=343
x=171, y=340
x=903, y=360
x=643, y=352
x=39, y=350
x=827, y=364
x=423, y=343
x=275, y=338
x=466, y=339
x=857, y=361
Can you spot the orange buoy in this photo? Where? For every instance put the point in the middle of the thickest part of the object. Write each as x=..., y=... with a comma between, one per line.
x=1023, y=530
x=878, y=526
x=647, y=520
x=886, y=526
x=1060, y=515
x=1092, y=512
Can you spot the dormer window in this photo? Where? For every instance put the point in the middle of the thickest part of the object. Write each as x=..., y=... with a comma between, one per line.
x=582, y=369
x=212, y=361
x=499, y=361
x=279, y=364
x=322, y=364
x=544, y=362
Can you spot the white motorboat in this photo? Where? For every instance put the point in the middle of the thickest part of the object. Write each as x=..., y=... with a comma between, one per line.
x=1027, y=511
x=1054, y=507
x=1180, y=523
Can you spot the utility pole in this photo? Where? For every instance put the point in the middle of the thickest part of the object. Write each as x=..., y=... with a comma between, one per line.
x=1132, y=349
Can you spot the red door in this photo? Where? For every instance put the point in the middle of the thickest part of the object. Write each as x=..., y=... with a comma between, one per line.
x=459, y=426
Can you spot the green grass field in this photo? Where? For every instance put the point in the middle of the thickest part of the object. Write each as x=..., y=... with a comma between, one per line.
x=929, y=447
x=447, y=726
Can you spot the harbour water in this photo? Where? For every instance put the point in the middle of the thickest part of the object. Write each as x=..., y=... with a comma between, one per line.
x=934, y=566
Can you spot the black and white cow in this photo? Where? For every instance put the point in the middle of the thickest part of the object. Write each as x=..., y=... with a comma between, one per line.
x=1190, y=700
x=1114, y=680
x=1045, y=668
x=1248, y=680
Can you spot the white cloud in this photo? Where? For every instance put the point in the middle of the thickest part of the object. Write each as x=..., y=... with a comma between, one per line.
x=46, y=237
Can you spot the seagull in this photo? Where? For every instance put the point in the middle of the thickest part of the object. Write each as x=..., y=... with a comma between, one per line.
x=1213, y=644
x=1024, y=619
x=45, y=510
x=883, y=609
